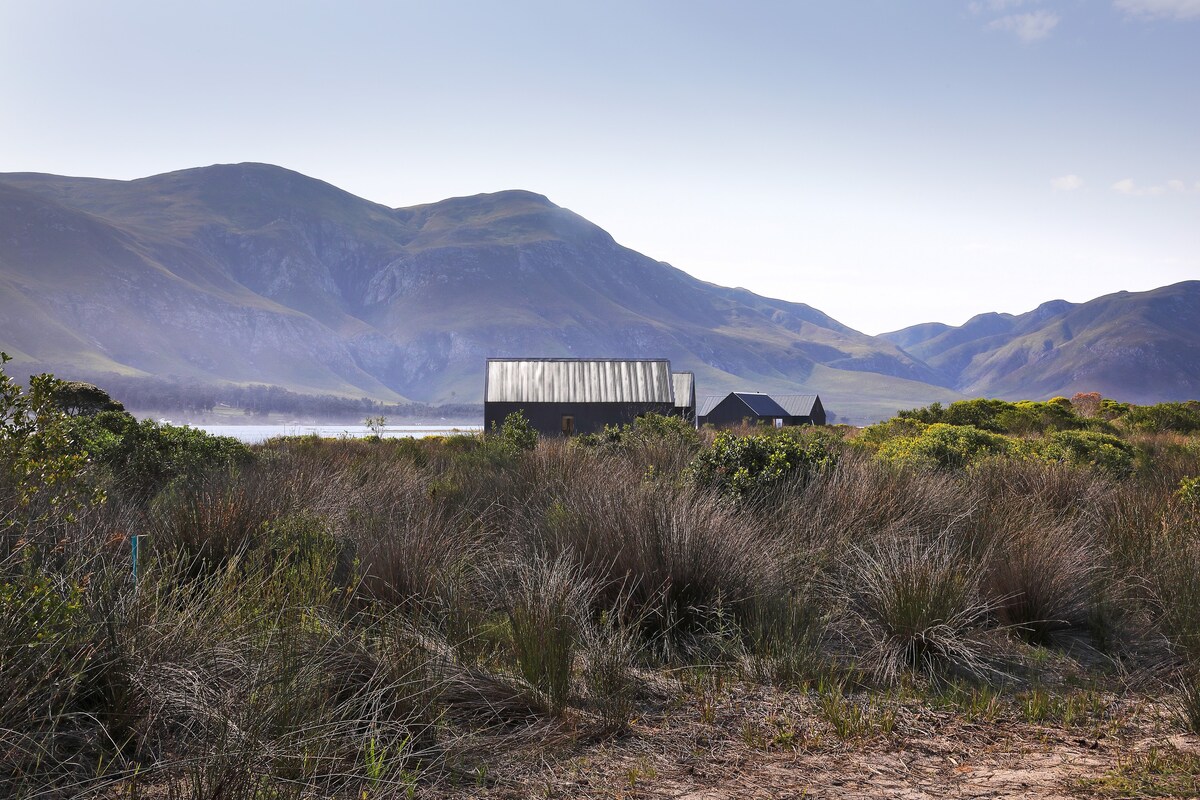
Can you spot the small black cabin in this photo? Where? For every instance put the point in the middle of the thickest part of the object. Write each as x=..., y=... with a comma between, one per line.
x=779, y=409
x=562, y=396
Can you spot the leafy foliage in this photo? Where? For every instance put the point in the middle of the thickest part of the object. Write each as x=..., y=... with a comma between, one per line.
x=945, y=446
x=646, y=429
x=1102, y=451
x=746, y=467
x=515, y=435
x=81, y=399
x=143, y=457
x=40, y=459
x=1164, y=417
x=1001, y=416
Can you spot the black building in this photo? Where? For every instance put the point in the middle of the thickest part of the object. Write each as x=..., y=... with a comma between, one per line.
x=778, y=410
x=562, y=396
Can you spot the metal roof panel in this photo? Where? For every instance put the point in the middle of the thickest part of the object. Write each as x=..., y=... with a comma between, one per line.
x=576, y=380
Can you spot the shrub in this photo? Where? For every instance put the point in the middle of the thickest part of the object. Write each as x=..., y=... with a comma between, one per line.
x=1101, y=451
x=1188, y=494
x=1176, y=417
x=515, y=434
x=943, y=446
x=40, y=458
x=143, y=457
x=644, y=429
x=746, y=467
x=1001, y=416
x=658, y=443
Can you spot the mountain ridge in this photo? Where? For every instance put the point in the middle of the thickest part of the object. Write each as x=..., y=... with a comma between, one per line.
x=1143, y=347
x=393, y=303
x=252, y=273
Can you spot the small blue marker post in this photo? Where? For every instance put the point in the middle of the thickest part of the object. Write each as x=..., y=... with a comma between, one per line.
x=133, y=546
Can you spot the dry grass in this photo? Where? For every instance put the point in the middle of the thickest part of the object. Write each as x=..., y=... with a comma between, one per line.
x=345, y=617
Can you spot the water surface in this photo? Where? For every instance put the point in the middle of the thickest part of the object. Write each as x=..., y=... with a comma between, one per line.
x=254, y=434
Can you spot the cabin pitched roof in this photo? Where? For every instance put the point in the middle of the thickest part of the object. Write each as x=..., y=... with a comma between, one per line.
x=684, y=386
x=765, y=405
x=578, y=380
x=796, y=405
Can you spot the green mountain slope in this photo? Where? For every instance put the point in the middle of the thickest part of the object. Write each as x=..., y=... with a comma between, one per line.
x=1138, y=346
x=253, y=273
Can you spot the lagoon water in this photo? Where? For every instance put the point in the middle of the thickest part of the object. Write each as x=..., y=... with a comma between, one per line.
x=253, y=434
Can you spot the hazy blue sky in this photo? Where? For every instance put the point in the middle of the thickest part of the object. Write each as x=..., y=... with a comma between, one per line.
x=887, y=162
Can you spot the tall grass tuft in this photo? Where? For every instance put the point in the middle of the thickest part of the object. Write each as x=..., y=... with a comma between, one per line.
x=678, y=556
x=1188, y=700
x=546, y=599
x=912, y=605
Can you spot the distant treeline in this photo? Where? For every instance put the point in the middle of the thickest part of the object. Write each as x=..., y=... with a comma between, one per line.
x=174, y=394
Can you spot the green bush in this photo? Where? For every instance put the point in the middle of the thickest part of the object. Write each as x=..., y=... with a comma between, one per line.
x=1188, y=494
x=1164, y=417
x=646, y=429
x=746, y=467
x=40, y=458
x=515, y=434
x=143, y=457
x=1101, y=451
x=1000, y=416
x=943, y=446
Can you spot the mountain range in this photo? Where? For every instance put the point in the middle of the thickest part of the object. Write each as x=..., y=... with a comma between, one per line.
x=251, y=273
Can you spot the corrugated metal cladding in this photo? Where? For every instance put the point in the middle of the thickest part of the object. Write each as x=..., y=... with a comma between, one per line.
x=708, y=404
x=578, y=381
x=796, y=405
x=684, y=383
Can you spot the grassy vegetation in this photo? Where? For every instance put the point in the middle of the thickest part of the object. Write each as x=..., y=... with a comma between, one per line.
x=369, y=618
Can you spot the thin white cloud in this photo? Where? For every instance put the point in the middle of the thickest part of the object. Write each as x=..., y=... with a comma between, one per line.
x=1129, y=187
x=995, y=6
x=1028, y=27
x=1067, y=183
x=1160, y=9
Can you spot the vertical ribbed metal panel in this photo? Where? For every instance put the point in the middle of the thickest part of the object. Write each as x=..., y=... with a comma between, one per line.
x=683, y=384
x=578, y=380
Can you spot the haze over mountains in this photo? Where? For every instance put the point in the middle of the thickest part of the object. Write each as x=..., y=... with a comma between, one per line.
x=251, y=273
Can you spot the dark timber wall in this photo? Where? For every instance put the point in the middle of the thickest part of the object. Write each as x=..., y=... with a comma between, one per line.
x=546, y=418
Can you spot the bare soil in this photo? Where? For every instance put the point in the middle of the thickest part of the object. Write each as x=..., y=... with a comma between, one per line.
x=746, y=741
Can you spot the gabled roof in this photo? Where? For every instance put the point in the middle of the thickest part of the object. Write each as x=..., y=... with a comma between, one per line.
x=796, y=405
x=706, y=405
x=765, y=405
x=761, y=404
x=578, y=380
x=684, y=385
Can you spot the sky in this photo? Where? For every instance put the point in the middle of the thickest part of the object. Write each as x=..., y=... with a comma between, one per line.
x=887, y=162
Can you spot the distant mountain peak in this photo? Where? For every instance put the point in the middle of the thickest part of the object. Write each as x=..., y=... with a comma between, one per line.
x=254, y=273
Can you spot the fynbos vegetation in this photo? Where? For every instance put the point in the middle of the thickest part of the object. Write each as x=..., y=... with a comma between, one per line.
x=370, y=618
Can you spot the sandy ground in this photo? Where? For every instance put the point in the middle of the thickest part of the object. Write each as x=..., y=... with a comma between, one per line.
x=758, y=743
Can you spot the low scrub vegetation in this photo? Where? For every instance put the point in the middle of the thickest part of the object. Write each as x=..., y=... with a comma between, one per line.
x=363, y=618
